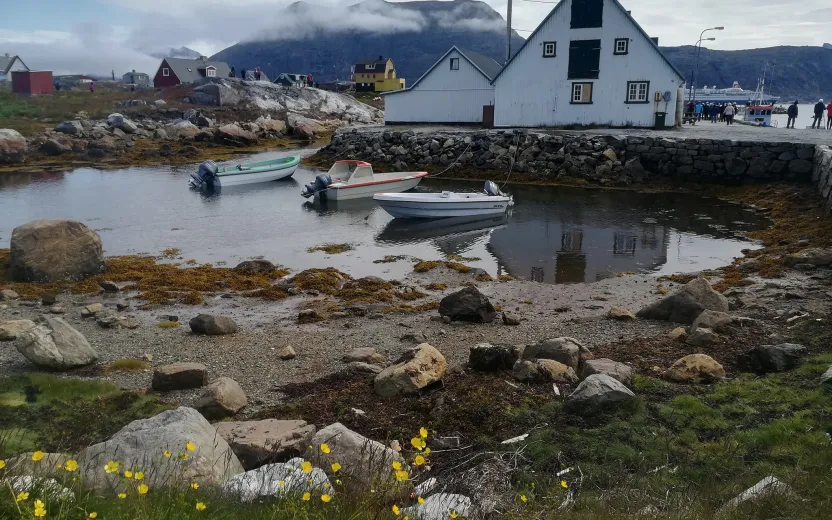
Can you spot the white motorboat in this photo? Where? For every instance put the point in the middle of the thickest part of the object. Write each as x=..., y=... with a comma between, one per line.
x=212, y=176
x=355, y=180
x=445, y=204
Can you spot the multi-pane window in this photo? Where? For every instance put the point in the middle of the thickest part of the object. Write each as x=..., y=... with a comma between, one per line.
x=582, y=93
x=622, y=46
x=638, y=91
x=549, y=49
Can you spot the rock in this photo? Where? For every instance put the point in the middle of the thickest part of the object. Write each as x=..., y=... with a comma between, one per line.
x=215, y=94
x=777, y=358
x=179, y=376
x=8, y=295
x=543, y=371
x=826, y=377
x=160, y=134
x=255, y=267
x=140, y=446
x=232, y=134
x=765, y=488
x=49, y=466
x=469, y=304
x=597, y=392
x=203, y=122
x=703, y=337
x=57, y=309
x=440, y=506
x=120, y=122
x=48, y=299
x=486, y=357
x=55, y=250
x=621, y=314
x=413, y=371
x=304, y=127
x=109, y=286
x=678, y=332
x=70, y=127
x=92, y=309
x=160, y=102
x=223, y=398
x=309, y=316
x=364, y=368
x=510, y=319
x=287, y=353
x=110, y=321
x=695, y=368
x=10, y=330
x=619, y=371
x=277, y=480
x=271, y=126
x=814, y=256
x=211, y=325
x=262, y=442
x=53, y=148
x=55, y=345
x=686, y=304
x=564, y=350
x=365, y=463
x=414, y=338
x=45, y=488
x=181, y=130
x=365, y=355
x=13, y=147
x=715, y=320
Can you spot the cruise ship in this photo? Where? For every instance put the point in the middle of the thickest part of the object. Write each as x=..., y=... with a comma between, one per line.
x=735, y=94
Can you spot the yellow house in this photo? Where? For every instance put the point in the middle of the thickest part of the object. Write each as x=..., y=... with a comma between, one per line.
x=376, y=75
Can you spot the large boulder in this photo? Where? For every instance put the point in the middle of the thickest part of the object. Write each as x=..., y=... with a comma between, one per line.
x=211, y=325
x=10, y=330
x=223, y=398
x=13, y=147
x=486, y=357
x=615, y=370
x=620, y=314
x=703, y=337
x=122, y=123
x=278, y=480
x=813, y=256
x=232, y=134
x=468, y=304
x=141, y=445
x=55, y=250
x=261, y=442
x=686, y=304
x=597, y=392
x=215, y=94
x=304, y=127
x=776, y=358
x=179, y=376
x=715, y=320
x=440, y=507
x=258, y=266
x=695, y=368
x=543, y=371
x=414, y=370
x=563, y=350
x=271, y=126
x=70, y=127
x=52, y=148
x=365, y=463
x=55, y=345
x=181, y=130
x=363, y=355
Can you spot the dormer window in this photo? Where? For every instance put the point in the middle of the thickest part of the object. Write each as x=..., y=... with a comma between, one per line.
x=211, y=72
x=549, y=49
x=622, y=46
x=371, y=67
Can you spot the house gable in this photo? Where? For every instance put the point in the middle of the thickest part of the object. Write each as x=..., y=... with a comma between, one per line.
x=162, y=80
x=466, y=66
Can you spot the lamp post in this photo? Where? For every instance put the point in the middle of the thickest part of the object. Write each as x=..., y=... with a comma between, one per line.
x=696, y=58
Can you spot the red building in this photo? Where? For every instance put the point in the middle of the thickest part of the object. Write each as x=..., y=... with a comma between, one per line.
x=32, y=82
x=176, y=71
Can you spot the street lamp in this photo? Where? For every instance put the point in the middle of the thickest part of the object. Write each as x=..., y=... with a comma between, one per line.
x=697, y=51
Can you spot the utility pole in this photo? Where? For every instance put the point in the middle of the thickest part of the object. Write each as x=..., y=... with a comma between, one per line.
x=508, y=33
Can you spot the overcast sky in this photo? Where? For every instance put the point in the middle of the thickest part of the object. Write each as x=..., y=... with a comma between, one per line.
x=95, y=36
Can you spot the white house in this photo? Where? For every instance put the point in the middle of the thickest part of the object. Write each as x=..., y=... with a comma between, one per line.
x=587, y=63
x=9, y=64
x=454, y=90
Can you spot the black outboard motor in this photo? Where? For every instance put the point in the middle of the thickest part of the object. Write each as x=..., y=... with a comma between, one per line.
x=205, y=177
x=321, y=183
x=492, y=190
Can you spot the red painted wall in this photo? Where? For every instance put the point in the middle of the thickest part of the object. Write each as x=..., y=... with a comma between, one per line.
x=32, y=82
x=160, y=81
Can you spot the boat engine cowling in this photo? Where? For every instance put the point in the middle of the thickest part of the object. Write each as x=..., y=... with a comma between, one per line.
x=320, y=183
x=205, y=175
x=492, y=190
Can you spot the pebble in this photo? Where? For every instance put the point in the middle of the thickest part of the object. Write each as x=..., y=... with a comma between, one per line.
x=57, y=309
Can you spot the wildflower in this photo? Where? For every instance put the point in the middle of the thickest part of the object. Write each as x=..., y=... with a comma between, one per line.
x=325, y=448
x=306, y=467
x=452, y=514
x=142, y=489
x=338, y=481
x=167, y=454
x=427, y=452
x=39, y=504
x=128, y=474
x=2, y=464
x=139, y=475
x=194, y=485
x=401, y=476
x=200, y=506
x=40, y=511
x=306, y=497
x=281, y=483
x=419, y=460
x=183, y=456
x=418, y=443
x=396, y=510
x=190, y=446
x=397, y=465
x=423, y=433
x=335, y=467
x=325, y=498
x=122, y=495
x=21, y=497
x=523, y=498
x=92, y=515
x=111, y=467
x=38, y=456
x=563, y=484
x=71, y=465
x=420, y=500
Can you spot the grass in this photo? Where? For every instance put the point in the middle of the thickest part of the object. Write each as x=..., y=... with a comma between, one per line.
x=130, y=365
x=331, y=249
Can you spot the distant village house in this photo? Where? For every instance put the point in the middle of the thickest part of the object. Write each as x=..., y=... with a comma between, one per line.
x=31, y=82
x=136, y=78
x=8, y=64
x=290, y=80
x=178, y=71
x=376, y=75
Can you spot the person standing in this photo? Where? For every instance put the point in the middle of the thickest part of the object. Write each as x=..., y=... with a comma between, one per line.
x=829, y=116
x=792, y=113
x=820, y=107
x=92, y=87
x=729, y=114
x=698, y=110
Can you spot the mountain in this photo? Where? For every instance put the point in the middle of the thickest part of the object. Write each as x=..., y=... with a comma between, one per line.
x=181, y=52
x=827, y=46
x=803, y=73
x=414, y=34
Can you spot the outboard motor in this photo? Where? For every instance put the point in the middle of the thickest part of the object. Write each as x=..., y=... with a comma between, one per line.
x=206, y=176
x=321, y=183
x=492, y=190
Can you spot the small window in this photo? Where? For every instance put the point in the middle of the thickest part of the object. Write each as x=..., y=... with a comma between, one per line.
x=165, y=72
x=371, y=67
x=454, y=63
x=211, y=73
x=581, y=93
x=622, y=46
x=549, y=49
x=637, y=91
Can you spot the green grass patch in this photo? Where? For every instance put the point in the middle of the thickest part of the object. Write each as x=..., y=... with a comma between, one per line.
x=130, y=365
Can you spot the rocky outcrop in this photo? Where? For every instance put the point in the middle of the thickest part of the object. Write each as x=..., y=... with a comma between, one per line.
x=686, y=304
x=217, y=94
x=715, y=320
x=70, y=127
x=181, y=130
x=274, y=127
x=615, y=370
x=122, y=123
x=304, y=127
x=261, y=442
x=179, y=376
x=211, y=325
x=55, y=345
x=255, y=267
x=486, y=357
x=10, y=330
x=563, y=350
x=13, y=147
x=702, y=337
x=695, y=368
x=414, y=370
x=232, y=134
x=468, y=304
x=278, y=480
x=597, y=392
x=776, y=358
x=543, y=371
x=223, y=398
x=55, y=250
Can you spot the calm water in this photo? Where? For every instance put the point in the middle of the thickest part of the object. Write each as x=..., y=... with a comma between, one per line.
x=554, y=235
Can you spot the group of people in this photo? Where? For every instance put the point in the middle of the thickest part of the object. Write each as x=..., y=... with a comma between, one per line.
x=722, y=113
x=817, y=121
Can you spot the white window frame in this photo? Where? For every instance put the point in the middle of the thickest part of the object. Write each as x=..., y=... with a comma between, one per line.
x=638, y=92
x=547, y=53
x=211, y=72
x=165, y=72
x=370, y=67
x=577, y=97
x=454, y=61
x=626, y=46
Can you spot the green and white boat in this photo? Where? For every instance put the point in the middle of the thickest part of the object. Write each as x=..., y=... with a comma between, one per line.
x=210, y=175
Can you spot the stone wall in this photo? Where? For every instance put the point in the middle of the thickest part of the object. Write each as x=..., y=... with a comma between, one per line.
x=602, y=159
x=822, y=173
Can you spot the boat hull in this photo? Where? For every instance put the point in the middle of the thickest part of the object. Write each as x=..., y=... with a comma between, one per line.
x=238, y=179
x=367, y=190
x=442, y=208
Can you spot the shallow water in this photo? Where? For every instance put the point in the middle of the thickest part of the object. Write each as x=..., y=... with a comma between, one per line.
x=553, y=235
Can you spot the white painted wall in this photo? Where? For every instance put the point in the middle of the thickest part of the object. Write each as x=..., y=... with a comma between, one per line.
x=443, y=96
x=534, y=91
x=17, y=65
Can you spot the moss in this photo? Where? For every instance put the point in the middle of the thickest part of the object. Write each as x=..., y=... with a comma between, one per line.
x=168, y=324
x=456, y=266
x=426, y=265
x=131, y=365
x=435, y=286
x=172, y=252
x=331, y=249
x=326, y=281
x=389, y=259
x=506, y=278
x=484, y=277
x=458, y=258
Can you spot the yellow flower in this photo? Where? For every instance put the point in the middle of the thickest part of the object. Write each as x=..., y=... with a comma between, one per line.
x=397, y=465
x=92, y=515
x=419, y=460
x=2, y=464
x=563, y=484
x=418, y=443
x=335, y=467
x=396, y=510
x=337, y=481
x=281, y=483
x=40, y=512
x=452, y=514
x=128, y=474
x=38, y=456
x=142, y=489
x=111, y=467
x=306, y=467
x=423, y=433
x=306, y=497
x=139, y=475
x=420, y=500
x=401, y=476
x=122, y=495
x=71, y=465
x=183, y=456
x=325, y=448
x=194, y=485
x=427, y=451
x=200, y=506
x=22, y=497
x=39, y=504
x=167, y=453
x=523, y=498
x=325, y=498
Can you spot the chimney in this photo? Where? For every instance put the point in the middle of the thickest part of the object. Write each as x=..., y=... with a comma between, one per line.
x=655, y=39
x=203, y=58
x=134, y=71
x=381, y=58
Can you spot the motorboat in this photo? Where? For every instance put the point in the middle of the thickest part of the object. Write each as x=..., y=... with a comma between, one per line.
x=210, y=175
x=355, y=180
x=445, y=204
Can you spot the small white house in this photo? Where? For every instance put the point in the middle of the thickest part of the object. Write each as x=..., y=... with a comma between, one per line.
x=454, y=90
x=587, y=63
x=9, y=64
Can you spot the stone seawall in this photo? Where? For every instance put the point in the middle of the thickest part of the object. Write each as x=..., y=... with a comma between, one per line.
x=602, y=159
x=822, y=173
